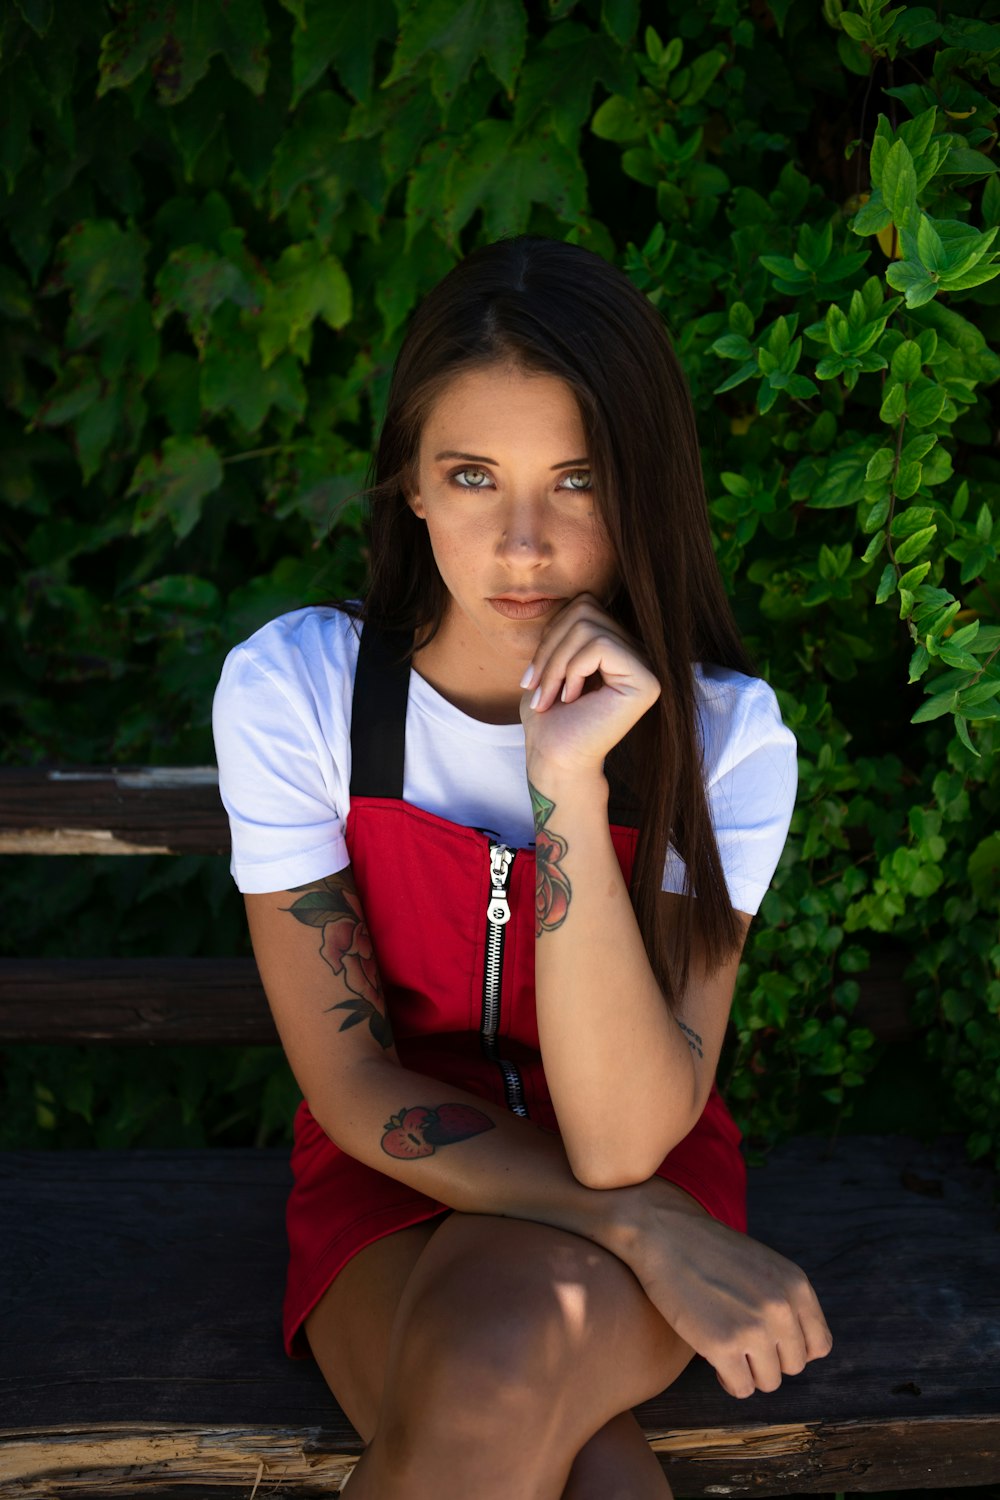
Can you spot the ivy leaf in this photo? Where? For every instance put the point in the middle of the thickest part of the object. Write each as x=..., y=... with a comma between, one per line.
x=172, y=483
x=504, y=176
x=308, y=284
x=177, y=42
x=94, y=258
x=76, y=388
x=452, y=34
x=558, y=80
x=341, y=36
x=233, y=379
x=195, y=281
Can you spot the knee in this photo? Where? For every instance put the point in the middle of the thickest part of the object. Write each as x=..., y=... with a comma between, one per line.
x=496, y=1339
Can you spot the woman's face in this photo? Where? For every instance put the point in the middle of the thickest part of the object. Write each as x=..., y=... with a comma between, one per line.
x=504, y=486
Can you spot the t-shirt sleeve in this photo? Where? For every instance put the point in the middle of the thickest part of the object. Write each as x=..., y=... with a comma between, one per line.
x=275, y=781
x=751, y=783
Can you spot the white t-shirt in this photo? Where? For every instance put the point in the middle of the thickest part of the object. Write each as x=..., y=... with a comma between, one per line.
x=282, y=724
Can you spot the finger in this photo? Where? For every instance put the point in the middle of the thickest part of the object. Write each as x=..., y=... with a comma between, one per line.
x=792, y=1353
x=735, y=1377
x=816, y=1335
x=765, y=1368
x=579, y=656
x=565, y=635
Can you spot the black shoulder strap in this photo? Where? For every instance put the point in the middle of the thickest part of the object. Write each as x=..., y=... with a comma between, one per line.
x=378, y=713
x=378, y=726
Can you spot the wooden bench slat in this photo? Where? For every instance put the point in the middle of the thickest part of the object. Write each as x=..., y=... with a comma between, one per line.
x=107, y=810
x=145, y=1287
x=134, y=1000
x=221, y=1000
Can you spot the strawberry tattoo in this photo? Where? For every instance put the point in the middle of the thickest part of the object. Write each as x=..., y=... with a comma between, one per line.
x=419, y=1131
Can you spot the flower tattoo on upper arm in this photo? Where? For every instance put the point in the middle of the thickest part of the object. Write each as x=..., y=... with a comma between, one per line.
x=332, y=905
x=553, y=891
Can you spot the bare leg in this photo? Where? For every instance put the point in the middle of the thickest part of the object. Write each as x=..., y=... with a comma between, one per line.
x=513, y=1345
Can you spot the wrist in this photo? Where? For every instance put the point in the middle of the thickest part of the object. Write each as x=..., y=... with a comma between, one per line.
x=557, y=781
x=634, y=1218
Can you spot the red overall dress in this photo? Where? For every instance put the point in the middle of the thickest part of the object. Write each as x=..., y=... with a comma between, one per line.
x=451, y=913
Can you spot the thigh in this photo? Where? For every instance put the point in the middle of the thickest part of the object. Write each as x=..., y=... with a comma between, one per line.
x=348, y=1329
x=508, y=1304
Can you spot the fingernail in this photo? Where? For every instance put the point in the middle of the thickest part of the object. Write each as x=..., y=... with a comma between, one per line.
x=528, y=675
x=536, y=695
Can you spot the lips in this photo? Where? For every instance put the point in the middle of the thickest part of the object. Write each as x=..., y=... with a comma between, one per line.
x=524, y=608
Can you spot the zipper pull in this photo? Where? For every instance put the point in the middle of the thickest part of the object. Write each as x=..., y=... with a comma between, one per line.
x=501, y=859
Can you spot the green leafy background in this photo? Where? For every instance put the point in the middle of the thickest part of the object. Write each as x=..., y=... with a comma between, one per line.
x=214, y=222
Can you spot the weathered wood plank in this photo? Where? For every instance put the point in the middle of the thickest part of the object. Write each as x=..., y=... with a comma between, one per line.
x=111, y=810
x=112, y=1459
x=144, y=1288
x=134, y=1000
x=220, y=1000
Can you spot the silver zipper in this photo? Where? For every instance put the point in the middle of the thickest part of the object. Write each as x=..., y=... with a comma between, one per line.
x=497, y=917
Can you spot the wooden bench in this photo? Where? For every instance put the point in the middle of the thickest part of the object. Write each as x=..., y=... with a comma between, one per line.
x=141, y=1290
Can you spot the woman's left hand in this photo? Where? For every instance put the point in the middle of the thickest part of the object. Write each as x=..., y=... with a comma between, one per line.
x=594, y=685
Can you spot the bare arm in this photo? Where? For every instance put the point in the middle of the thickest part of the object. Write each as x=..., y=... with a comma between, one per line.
x=628, y=1079
x=725, y=1294
x=320, y=973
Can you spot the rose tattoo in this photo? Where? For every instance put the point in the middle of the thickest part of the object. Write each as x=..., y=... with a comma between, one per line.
x=346, y=946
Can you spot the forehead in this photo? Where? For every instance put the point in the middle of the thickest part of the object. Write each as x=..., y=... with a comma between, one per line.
x=506, y=407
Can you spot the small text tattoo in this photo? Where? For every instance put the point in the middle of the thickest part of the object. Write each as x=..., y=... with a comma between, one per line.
x=553, y=891
x=419, y=1131
x=693, y=1039
x=332, y=906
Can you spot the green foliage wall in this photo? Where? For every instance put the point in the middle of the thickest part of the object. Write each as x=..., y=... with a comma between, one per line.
x=214, y=221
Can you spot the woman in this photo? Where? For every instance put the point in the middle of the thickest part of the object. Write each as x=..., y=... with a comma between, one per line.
x=501, y=828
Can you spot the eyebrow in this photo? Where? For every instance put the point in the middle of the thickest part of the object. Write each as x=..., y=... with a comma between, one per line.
x=477, y=458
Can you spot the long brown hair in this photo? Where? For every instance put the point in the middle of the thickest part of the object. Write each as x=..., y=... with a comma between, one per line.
x=546, y=306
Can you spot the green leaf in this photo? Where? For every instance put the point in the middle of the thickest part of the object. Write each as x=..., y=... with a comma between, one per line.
x=617, y=120
x=983, y=869
x=843, y=481
x=195, y=281
x=913, y=577
x=935, y=707
x=504, y=176
x=911, y=278
x=620, y=18
x=732, y=346
x=899, y=185
x=172, y=484
x=741, y=319
x=308, y=284
x=886, y=584
x=961, y=729
x=874, y=547
x=894, y=404
x=97, y=257
x=914, y=545
x=929, y=246
x=177, y=43
x=924, y=403
x=906, y=362
x=233, y=379
x=907, y=481
x=448, y=36
x=914, y=518
x=343, y=37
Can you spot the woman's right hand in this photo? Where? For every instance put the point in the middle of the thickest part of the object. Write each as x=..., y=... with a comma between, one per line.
x=746, y=1309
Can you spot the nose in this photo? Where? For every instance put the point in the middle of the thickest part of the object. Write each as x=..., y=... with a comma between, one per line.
x=524, y=532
